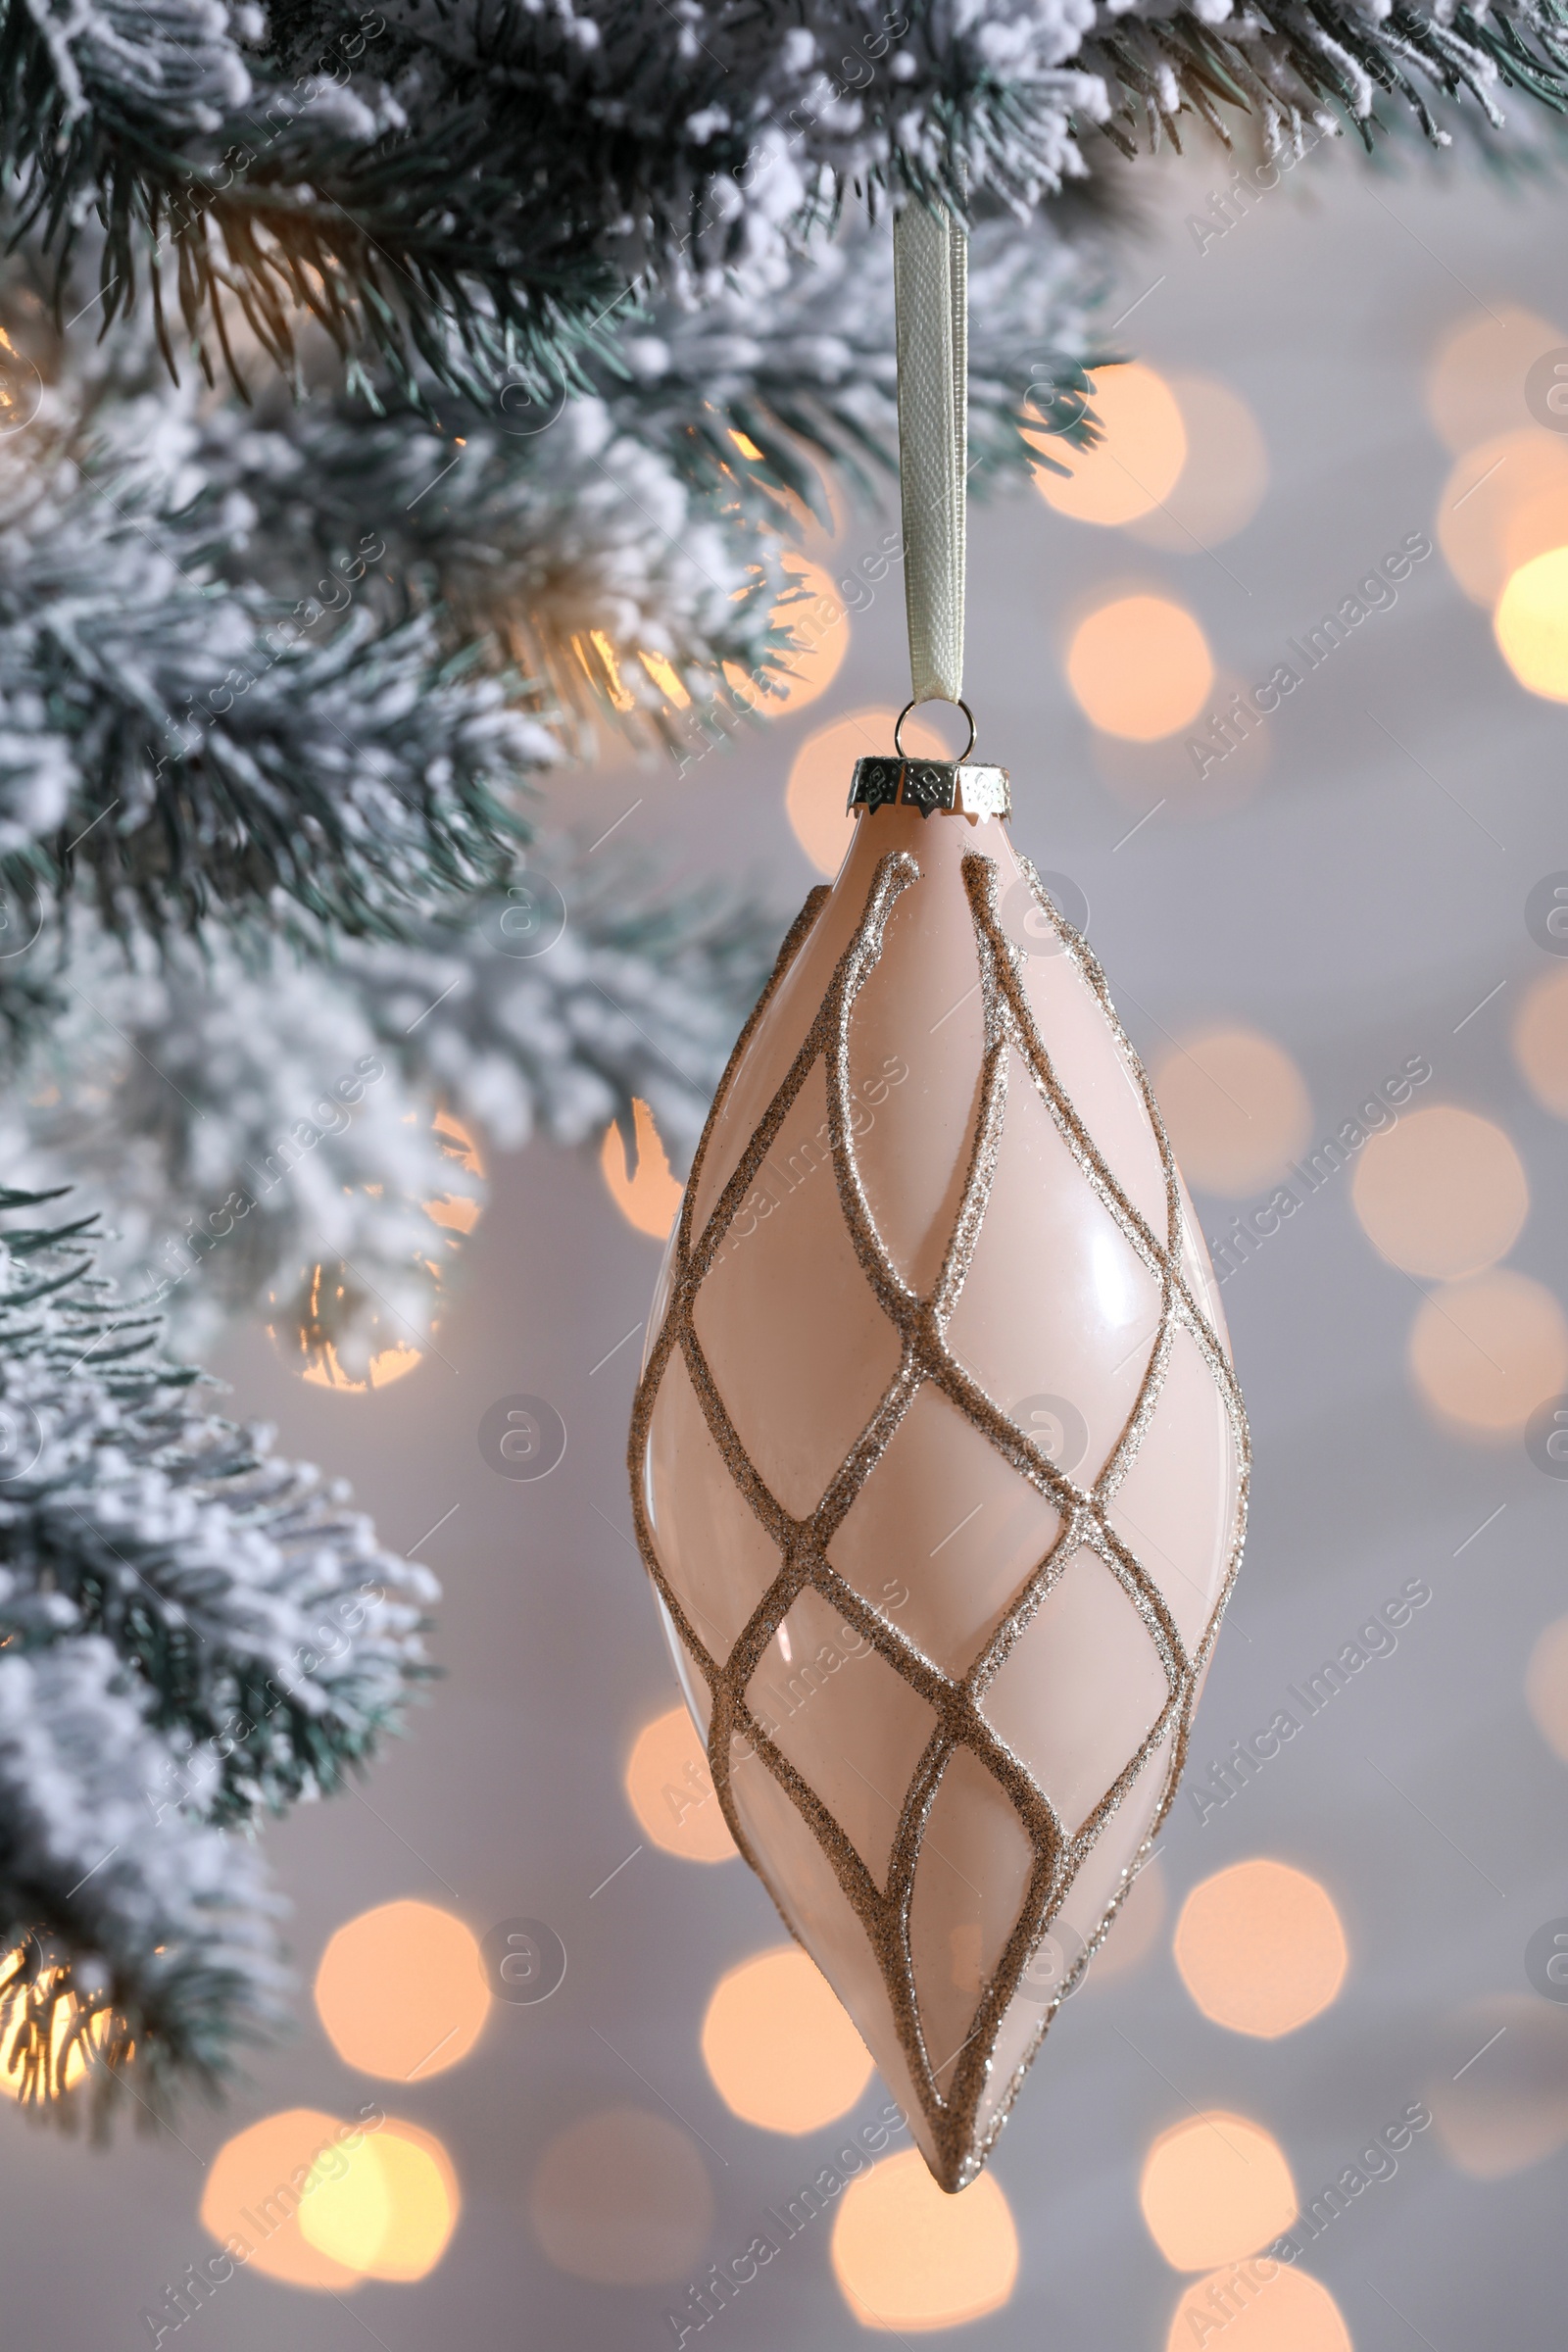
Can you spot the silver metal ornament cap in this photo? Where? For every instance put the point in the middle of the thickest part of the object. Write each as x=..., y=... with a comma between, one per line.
x=950, y=787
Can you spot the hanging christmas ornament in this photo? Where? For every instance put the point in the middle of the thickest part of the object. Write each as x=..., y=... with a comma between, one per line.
x=939, y=1464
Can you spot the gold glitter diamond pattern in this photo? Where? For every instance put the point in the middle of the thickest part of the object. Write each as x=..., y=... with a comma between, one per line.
x=920, y=1321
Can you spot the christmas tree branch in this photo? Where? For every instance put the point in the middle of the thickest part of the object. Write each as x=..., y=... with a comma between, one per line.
x=467, y=195
x=193, y=1635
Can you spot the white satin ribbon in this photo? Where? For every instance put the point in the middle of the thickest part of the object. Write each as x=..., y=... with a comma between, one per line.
x=930, y=275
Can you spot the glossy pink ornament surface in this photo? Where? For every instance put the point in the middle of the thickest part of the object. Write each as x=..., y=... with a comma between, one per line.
x=938, y=1460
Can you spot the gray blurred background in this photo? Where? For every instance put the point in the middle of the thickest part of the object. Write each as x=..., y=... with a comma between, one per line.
x=1347, y=906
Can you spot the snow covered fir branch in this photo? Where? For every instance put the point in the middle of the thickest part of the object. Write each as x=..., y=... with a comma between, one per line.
x=245, y=1120
x=305, y=651
x=193, y=1635
x=477, y=188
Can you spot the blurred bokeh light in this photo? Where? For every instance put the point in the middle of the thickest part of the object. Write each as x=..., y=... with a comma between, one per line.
x=401, y=1991
x=1500, y=2096
x=1476, y=378
x=253, y=2193
x=69, y=2051
x=1541, y=1041
x=1140, y=668
x=908, y=2258
x=391, y=2212
x=782, y=2051
x=457, y=1212
x=623, y=2197
x=1285, y=2310
x=1138, y=462
x=669, y=1788
x=1546, y=1685
x=1214, y=2190
x=648, y=1195
x=1485, y=1354
x=347, y=2214
x=1235, y=1107
x=1441, y=1194
x=1223, y=483
x=310, y=1349
x=425, y=2201
x=1531, y=624
x=1260, y=1948
x=814, y=611
x=816, y=797
x=666, y=677
x=1502, y=504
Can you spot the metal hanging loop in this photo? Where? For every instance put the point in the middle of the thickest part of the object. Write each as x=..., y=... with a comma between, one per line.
x=959, y=758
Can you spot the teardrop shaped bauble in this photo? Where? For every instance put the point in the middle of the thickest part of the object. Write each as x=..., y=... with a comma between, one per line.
x=938, y=1460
